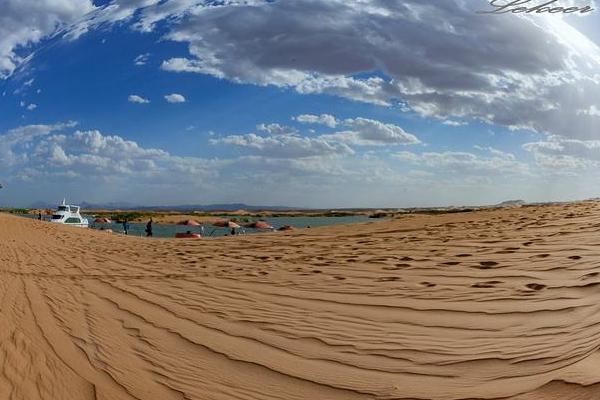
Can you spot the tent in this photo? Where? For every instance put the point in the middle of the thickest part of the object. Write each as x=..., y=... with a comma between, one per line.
x=259, y=225
x=223, y=223
x=189, y=222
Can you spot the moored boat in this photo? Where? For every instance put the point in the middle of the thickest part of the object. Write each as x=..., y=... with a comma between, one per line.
x=69, y=215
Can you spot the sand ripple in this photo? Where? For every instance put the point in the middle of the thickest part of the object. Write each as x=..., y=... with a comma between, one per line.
x=500, y=304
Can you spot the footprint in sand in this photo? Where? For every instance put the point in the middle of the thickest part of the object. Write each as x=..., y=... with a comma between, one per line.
x=535, y=286
x=575, y=257
x=487, y=264
x=486, y=285
x=541, y=255
x=451, y=263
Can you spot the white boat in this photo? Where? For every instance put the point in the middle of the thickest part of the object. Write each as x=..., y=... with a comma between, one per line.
x=69, y=215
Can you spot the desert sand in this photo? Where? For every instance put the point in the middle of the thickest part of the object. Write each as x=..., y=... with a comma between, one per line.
x=491, y=304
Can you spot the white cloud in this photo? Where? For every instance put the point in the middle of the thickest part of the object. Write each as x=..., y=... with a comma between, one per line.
x=175, y=98
x=276, y=129
x=134, y=98
x=26, y=22
x=31, y=107
x=440, y=62
x=369, y=132
x=465, y=164
x=285, y=146
x=142, y=59
x=565, y=154
x=287, y=142
x=90, y=156
x=323, y=119
x=13, y=143
x=277, y=168
x=450, y=122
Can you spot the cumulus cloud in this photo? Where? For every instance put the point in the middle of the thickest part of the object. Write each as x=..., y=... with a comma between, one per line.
x=279, y=141
x=14, y=142
x=83, y=162
x=565, y=154
x=369, y=132
x=277, y=129
x=323, y=119
x=285, y=146
x=433, y=56
x=134, y=98
x=175, y=98
x=465, y=163
x=41, y=151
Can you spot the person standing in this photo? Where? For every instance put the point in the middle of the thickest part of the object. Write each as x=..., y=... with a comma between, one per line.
x=39, y=216
x=149, y=228
x=126, y=227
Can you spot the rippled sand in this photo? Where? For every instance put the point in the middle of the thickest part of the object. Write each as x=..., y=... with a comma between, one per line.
x=499, y=304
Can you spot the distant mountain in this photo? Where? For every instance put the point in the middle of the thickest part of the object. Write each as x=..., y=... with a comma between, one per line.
x=511, y=203
x=115, y=205
x=215, y=207
x=41, y=205
x=182, y=207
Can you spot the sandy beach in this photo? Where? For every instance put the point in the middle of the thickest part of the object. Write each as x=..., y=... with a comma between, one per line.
x=490, y=304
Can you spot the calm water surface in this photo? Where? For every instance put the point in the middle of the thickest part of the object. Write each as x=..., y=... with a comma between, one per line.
x=169, y=231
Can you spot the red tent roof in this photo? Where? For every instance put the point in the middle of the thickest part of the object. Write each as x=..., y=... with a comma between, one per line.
x=259, y=225
x=189, y=222
x=225, y=223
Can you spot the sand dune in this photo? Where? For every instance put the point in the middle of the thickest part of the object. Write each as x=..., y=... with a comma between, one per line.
x=498, y=304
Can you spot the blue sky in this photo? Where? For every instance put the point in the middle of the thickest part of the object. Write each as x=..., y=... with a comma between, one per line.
x=310, y=103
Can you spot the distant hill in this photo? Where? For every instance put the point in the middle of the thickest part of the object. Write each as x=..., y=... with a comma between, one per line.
x=512, y=203
x=214, y=207
x=182, y=207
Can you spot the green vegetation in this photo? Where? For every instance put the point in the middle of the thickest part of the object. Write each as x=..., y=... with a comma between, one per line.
x=17, y=211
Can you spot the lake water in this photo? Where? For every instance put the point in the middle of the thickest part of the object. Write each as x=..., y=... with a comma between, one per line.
x=169, y=230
